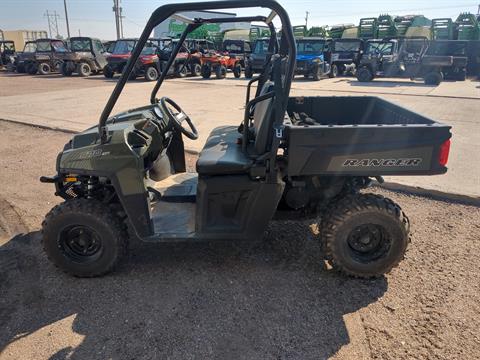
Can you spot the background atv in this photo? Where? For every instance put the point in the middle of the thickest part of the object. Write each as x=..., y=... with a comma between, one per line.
x=117, y=59
x=24, y=57
x=182, y=64
x=86, y=57
x=7, y=53
x=219, y=64
x=346, y=55
x=237, y=48
x=47, y=57
x=256, y=60
x=197, y=48
x=403, y=58
x=314, y=58
x=291, y=157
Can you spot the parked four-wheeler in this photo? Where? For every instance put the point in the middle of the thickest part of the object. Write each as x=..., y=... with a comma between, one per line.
x=24, y=57
x=459, y=50
x=261, y=52
x=47, y=57
x=86, y=57
x=184, y=62
x=237, y=48
x=314, y=58
x=7, y=53
x=302, y=157
x=402, y=58
x=219, y=63
x=197, y=48
x=119, y=57
x=346, y=54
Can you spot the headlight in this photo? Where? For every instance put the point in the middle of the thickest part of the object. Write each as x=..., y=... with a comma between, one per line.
x=317, y=60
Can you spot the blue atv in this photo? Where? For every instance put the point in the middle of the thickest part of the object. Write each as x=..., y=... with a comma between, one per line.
x=314, y=58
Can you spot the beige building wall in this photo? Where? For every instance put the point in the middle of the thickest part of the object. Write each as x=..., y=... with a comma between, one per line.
x=22, y=36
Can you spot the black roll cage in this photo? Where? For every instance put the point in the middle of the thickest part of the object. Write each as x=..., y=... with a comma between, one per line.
x=287, y=45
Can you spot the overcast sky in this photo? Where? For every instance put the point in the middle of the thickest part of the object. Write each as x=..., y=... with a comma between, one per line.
x=95, y=17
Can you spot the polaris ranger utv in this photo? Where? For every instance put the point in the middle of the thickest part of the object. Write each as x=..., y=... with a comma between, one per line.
x=298, y=156
x=346, y=54
x=47, y=57
x=314, y=58
x=25, y=57
x=403, y=58
x=256, y=60
x=86, y=57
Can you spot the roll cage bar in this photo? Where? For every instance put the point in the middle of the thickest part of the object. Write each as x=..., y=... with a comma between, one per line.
x=287, y=45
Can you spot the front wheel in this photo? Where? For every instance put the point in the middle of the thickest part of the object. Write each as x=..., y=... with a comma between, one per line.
x=364, y=75
x=365, y=235
x=333, y=71
x=181, y=71
x=195, y=69
x=248, y=72
x=44, y=69
x=221, y=72
x=84, y=69
x=66, y=69
x=108, y=72
x=151, y=74
x=433, y=78
x=206, y=71
x=237, y=70
x=84, y=238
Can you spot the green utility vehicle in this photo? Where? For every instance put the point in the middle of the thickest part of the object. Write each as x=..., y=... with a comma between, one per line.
x=303, y=157
x=368, y=28
x=386, y=26
x=87, y=56
x=405, y=58
x=442, y=29
x=467, y=27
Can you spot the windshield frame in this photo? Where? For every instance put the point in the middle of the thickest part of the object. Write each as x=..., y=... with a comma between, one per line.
x=287, y=47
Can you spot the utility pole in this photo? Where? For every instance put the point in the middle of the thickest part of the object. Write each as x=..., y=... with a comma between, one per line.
x=117, y=11
x=306, y=18
x=121, y=22
x=52, y=22
x=66, y=18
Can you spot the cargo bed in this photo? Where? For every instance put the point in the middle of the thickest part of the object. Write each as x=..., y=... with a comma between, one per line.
x=363, y=136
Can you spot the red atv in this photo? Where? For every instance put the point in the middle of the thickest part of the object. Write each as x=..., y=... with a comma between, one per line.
x=219, y=63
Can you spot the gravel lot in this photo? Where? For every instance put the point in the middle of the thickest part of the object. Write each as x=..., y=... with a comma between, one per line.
x=266, y=299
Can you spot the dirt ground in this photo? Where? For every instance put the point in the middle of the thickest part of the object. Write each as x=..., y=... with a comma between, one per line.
x=266, y=299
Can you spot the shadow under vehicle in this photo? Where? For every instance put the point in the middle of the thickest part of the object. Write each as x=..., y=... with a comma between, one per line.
x=86, y=57
x=314, y=58
x=405, y=58
x=47, y=57
x=263, y=48
x=295, y=157
x=346, y=54
x=7, y=53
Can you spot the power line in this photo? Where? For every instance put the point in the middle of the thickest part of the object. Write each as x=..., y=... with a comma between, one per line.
x=52, y=22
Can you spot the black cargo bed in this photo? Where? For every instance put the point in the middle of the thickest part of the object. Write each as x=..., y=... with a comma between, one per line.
x=361, y=136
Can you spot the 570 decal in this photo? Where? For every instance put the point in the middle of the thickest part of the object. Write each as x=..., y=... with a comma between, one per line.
x=381, y=162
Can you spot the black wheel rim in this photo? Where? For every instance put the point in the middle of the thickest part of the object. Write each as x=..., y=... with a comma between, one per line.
x=368, y=243
x=80, y=244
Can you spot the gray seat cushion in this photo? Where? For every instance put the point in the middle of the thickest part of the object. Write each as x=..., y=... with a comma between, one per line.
x=221, y=154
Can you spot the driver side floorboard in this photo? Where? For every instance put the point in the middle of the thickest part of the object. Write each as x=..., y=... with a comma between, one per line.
x=173, y=218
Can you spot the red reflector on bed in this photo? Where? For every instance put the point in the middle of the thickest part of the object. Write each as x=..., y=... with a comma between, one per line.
x=444, y=151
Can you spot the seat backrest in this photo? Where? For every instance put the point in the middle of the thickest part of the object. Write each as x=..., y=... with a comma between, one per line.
x=263, y=119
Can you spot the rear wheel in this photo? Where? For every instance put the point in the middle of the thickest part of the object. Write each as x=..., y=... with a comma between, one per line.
x=364, y=75
x=221, y=72
x=248, y=72
x=206, y=71
x=31, y=69
x=333, y=71
x=433, y=78
x=20, y=69
x=317, y=73
x=195, y=69
x=365, y=235
x=108, y=72
x=83, y=238
x=237, y=70
x=461, y=75
x=84, y=69
x=151, y=74
x=181, y=71
x=66, y=69
x=44, y=69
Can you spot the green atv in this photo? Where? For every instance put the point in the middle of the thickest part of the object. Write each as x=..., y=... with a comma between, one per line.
x=299, y=157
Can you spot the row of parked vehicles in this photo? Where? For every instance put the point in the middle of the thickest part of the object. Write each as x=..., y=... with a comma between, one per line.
x=317, y=58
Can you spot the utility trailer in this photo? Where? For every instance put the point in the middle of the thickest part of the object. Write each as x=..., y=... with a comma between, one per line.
x=302, y=157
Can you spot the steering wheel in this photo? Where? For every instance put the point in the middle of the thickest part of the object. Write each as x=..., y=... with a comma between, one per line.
x=177, y=116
